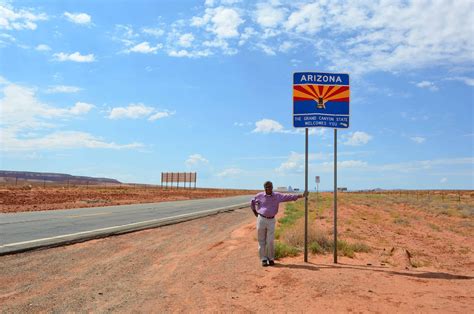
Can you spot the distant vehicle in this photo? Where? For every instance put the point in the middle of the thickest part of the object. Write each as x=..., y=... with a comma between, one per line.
x=296, y=189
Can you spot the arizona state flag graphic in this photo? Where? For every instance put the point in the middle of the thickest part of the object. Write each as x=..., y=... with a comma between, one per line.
x=321, y=100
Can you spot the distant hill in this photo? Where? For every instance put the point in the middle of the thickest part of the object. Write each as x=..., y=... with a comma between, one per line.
x=9, y=176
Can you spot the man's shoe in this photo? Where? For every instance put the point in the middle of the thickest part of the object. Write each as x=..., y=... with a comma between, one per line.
x=264, y=263
x=271, y=262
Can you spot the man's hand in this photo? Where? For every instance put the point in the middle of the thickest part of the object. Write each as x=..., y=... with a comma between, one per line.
x=303, y=195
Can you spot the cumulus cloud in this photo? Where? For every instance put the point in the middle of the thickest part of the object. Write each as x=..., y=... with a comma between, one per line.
x=357, y=138
x=294, y=163
x=195, y=160
x=269, y=16
x=21, y=108
x=22, y=112
x=43, y=47
x=222, y=21
x=418, y=139
x=145, y=48
x=133, y=111
x=138, y=111
x=428, y=85
x=469, y=81
x=11, y=19
x=75, y=57
x=59, y=140
x=156, y=32
x=160, y=115
x=308, y=18
x=63, y=89
x=268, y=126
x=78, y=18
x=186, y=40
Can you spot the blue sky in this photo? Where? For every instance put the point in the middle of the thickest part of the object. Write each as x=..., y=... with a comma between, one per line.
x=130, y=89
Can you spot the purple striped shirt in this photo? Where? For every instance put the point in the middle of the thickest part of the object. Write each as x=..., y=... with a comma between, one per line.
x=267, y=205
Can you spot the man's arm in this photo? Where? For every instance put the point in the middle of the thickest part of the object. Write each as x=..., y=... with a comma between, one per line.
x=252, y=206
x=291, y=197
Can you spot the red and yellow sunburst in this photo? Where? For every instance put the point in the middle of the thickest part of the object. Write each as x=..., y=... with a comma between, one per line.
x=321, y=93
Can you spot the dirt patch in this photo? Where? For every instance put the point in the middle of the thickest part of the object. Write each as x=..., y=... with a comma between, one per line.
x=35, y=198
x=211, y=265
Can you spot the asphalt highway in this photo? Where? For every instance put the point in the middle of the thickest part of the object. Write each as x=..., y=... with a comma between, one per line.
x=31, y=230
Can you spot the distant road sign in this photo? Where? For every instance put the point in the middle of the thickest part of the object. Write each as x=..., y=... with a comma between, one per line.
x=317, y=180
x=321, y=100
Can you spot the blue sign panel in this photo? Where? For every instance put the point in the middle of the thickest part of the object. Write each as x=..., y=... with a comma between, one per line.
x=321, y=100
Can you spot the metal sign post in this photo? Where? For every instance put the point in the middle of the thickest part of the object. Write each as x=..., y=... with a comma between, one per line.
x=320, y=100
x=306, y=199
x=335, y=196
x=317, y=193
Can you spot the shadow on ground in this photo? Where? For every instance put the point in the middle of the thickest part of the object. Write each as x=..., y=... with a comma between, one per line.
x=412, y=273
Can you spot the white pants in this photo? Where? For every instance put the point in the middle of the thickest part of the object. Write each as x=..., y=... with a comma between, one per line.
x=266, y=236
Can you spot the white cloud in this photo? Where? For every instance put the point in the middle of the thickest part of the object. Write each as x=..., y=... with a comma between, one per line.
x=427, y=84
x=145, y=47
x=59, y=140
x=157, y=32
x=63, y=89
x=81, y=108
x=286, y=46
x=230, y=172
x=23, y=113
x=195, y=160
x=443, y=180
x=133, y=111
x=76, y=57
x=78, y=18
x=189, y=54
x=357, y=138
x=294, y=163
x=418, y=139
x=226, y=22
x=20, y=108
x=268, y=15
x=266, y=49
x=222, y=21
x=309, y=18
x=423, y=165
x=137, y=111
x=160, y=115
x=43, y=47
x=12, y=19
x=268, y=126
x=186, y=40
x=466, y=80
x=400, y=35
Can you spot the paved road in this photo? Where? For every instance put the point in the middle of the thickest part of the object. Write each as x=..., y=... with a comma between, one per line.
x=30, y=230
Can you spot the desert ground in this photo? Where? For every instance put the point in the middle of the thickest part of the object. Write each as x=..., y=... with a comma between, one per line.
x=417, y=256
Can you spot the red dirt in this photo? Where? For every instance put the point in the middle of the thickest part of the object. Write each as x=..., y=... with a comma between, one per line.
x=35, y=198
x=211, y=265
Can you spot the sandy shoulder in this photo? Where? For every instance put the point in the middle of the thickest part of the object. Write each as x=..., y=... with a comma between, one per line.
x=211, y=264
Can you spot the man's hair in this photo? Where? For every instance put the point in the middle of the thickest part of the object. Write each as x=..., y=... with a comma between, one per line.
x=268, y=183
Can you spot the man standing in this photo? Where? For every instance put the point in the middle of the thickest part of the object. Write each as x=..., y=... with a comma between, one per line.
x=265, y=207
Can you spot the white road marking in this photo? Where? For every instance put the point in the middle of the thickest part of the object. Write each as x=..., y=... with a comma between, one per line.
x=114, y=227
x=87, y=215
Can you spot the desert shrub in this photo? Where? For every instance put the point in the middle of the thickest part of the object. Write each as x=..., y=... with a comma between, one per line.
x=401, y=221
x=284, y=250
x=291, y=215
